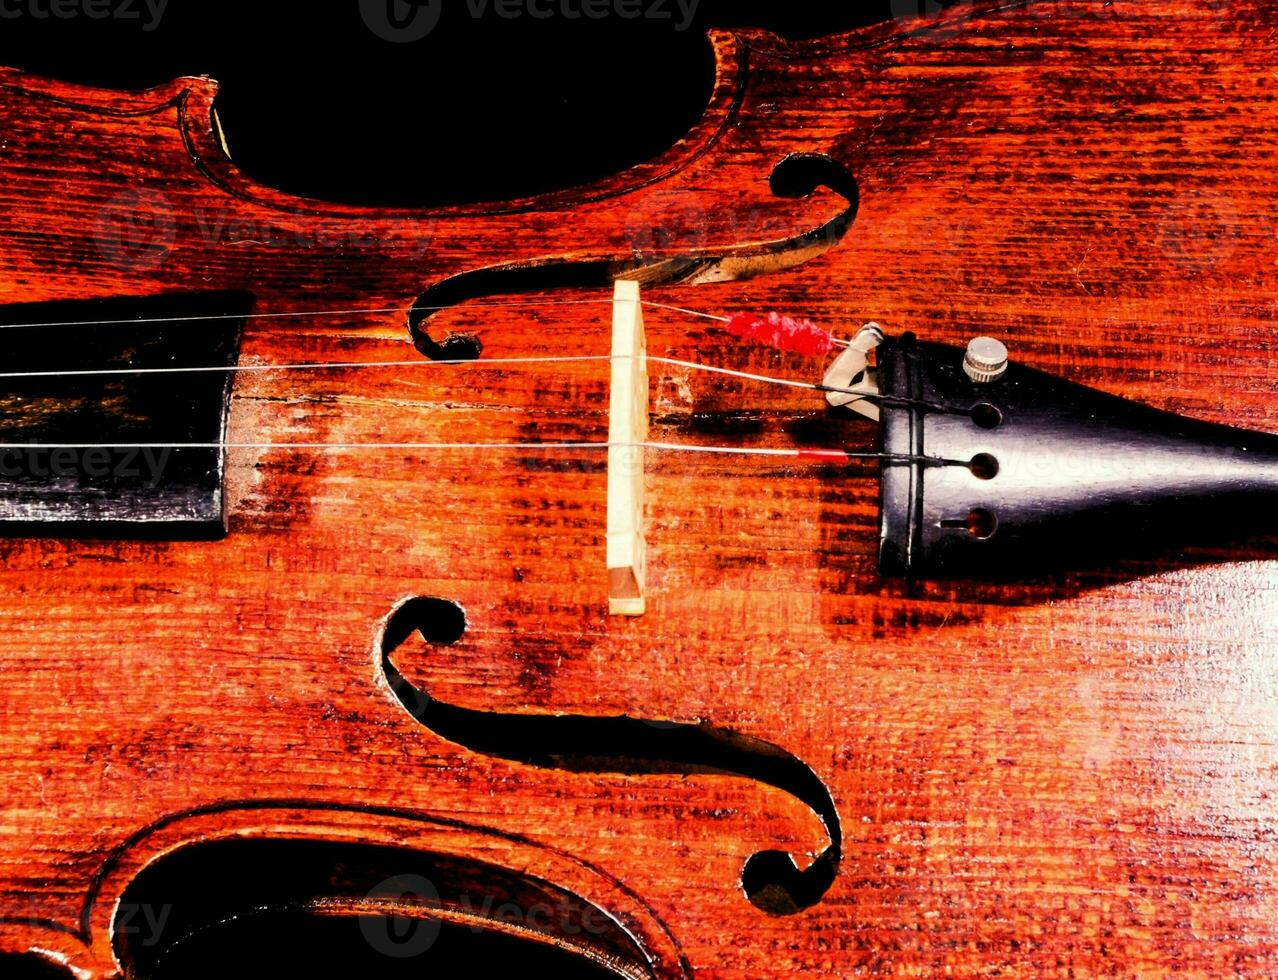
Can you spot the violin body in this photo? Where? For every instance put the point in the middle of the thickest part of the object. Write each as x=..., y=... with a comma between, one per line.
x=400, y=662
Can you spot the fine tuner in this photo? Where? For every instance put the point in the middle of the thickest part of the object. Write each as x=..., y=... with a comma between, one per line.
x=990, y=469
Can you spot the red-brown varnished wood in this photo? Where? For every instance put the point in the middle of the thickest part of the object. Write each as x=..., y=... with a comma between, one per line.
x=1074, y=776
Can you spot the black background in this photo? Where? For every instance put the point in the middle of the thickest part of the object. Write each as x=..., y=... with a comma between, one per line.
x=483, y=108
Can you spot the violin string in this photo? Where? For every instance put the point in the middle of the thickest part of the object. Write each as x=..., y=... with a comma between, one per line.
x=355, y=311
x=486, y=362
x=298, y=314
x=420, y=362
x=369, y=311
x=685, y=310
x=813, y=455
x=407, y=311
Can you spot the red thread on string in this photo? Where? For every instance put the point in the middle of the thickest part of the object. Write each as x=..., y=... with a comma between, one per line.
x=782, y=332
x=826, y=455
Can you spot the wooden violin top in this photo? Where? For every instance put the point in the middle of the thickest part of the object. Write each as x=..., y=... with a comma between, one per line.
x=1072, y=775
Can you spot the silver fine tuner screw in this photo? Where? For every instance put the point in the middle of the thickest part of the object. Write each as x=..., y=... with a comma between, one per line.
x=986, y=360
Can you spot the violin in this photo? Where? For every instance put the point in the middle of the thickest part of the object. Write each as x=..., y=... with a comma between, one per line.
x=840, y=544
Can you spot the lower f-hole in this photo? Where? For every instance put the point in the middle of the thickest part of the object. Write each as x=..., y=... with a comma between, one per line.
x=772, y=880
x=269, y=908
x=979, y=523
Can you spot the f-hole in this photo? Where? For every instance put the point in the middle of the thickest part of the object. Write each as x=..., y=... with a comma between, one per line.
x=771, y=879
x=796, y=176
x=800, y=174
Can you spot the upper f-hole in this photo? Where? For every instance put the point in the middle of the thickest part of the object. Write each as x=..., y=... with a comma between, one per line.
x=800, y=174
x=485, y=284
x=796, y=176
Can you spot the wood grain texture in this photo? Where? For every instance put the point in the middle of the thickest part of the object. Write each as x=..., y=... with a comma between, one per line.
x=1073, y=776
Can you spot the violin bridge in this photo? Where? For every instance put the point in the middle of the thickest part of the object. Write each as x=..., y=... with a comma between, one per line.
x=628, y=416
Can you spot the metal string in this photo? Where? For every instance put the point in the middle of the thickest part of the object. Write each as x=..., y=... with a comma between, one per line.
x=813, y=455
x=420, y=362
x=480, y=363
x=297, y=314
